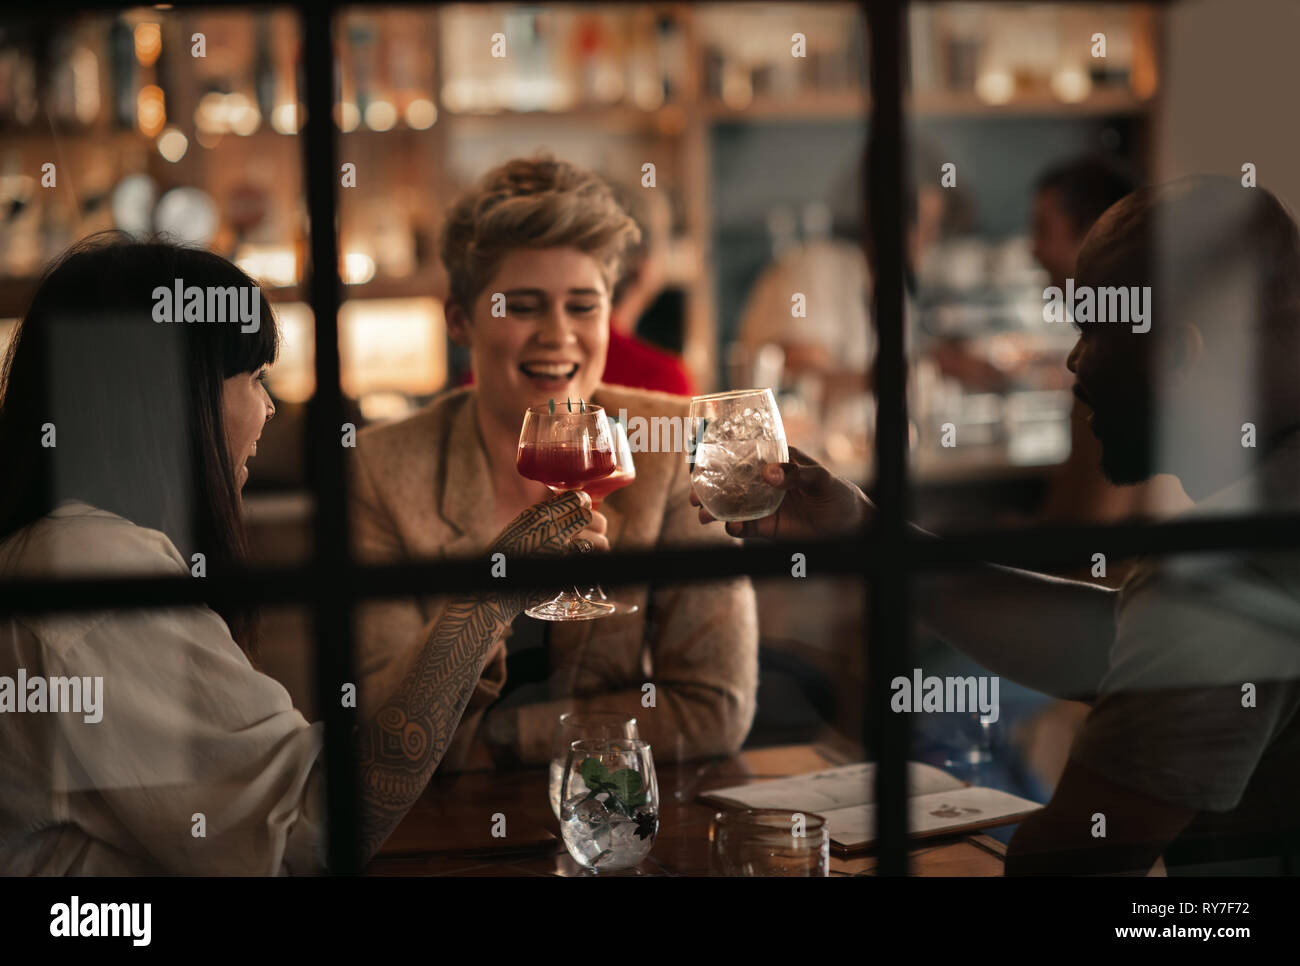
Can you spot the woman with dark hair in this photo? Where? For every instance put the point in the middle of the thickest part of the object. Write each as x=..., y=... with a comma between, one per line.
x=131, y=399
x=143, y=422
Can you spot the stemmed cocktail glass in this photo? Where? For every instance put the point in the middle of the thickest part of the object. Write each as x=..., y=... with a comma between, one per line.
x=624, y=473
x=567, y=449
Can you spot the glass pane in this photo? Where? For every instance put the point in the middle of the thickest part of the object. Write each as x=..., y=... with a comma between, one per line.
x=1126, y=706
x=151, y=741
x=177, y=125
x=728, y=684
x=1021, y=137
x=1104, y=296
x=692, y=225
x=1027, y=123
x=152, y=197
x=738, y=163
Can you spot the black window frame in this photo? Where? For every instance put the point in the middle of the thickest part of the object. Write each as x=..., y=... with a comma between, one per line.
x=887, y=557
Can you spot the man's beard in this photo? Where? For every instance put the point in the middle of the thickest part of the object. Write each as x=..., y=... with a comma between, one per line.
x=1126, y=449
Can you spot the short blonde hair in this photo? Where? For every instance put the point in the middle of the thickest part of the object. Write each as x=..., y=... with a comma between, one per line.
x=536, y=202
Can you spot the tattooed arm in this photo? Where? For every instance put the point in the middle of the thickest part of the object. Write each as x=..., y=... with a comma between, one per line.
x=400, y=747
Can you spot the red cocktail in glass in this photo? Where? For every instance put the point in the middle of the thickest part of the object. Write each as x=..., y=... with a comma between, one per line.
x=600, y=489
x=566, y=450
x=567, y=466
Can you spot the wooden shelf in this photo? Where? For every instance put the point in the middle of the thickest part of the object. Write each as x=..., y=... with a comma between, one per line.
x=666, y=121
x=854, y=105
x=683, y=129
x=967, y=104
x=422, y=284
x=15, y=293
x=846, y=105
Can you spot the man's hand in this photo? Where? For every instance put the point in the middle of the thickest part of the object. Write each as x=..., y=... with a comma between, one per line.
x=1059, y=840
x=817, y=503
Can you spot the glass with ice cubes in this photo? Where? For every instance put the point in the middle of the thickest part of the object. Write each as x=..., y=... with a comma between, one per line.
x=729, y=436
x=609, y=803
x=575, y=725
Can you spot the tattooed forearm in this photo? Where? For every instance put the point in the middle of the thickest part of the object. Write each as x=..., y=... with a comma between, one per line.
x=403, y=743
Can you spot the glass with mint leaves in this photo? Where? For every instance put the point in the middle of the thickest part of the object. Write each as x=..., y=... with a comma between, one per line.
x=575, y=726
x=609, y=803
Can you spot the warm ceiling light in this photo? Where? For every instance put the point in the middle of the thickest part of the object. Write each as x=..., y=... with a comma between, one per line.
x=995, y=86
x=151, y=110
x=1071, y=84
x=380, y=116
x=456, y=95
x=148, y=43
x=211, y=116
x=421, y=114
x=243, y=114
x=172, y=144
x=737, y=86
x=346, y=116
x=358, y=268
x=284, y=118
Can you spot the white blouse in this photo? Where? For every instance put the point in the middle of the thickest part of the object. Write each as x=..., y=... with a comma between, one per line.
x=198, y=763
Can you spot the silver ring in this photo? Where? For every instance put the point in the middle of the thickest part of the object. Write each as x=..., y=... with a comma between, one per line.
x=583, y=545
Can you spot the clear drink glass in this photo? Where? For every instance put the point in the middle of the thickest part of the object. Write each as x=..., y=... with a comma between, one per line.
x=575, y=726
x=769, y=842
x=610, y=820
x=566, y=449
x=729, y=436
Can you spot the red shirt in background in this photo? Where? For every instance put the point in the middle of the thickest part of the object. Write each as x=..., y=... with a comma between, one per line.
x=638, y=365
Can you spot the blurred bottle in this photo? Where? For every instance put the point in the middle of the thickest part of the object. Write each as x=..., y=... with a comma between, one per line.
x=61, y=101
x=123, y=67
x=599, y=80
x=363, y=41
x=644, y=81
x=264, y=79
x=672, y=56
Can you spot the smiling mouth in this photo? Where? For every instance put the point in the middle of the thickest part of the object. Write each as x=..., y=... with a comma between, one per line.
x=549, y=370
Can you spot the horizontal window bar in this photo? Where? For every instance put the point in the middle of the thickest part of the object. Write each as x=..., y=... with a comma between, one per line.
x=1026, y=548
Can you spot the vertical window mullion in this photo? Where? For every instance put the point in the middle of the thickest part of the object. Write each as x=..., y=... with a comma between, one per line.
x=332, y=602
x=887, y=618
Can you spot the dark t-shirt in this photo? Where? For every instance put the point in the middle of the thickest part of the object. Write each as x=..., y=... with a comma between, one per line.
x=528, y=662
x=1200, y=706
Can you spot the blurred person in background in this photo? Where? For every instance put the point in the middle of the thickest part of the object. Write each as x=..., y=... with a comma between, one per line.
x=829, y=350
x=833, y=276
x=633, y=361
x=1068, y=200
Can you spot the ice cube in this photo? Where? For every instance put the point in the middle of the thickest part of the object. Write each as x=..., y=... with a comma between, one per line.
x=591, y=813
x=622, y=832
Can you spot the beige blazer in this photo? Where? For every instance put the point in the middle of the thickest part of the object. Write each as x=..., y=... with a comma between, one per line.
x=418, y=491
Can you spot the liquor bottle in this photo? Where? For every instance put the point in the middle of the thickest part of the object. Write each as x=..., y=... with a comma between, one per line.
x=672, y=56
x=264, y=81
x=121, y=52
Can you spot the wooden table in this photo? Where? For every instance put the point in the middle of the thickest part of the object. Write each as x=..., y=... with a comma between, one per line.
x=449, y=830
